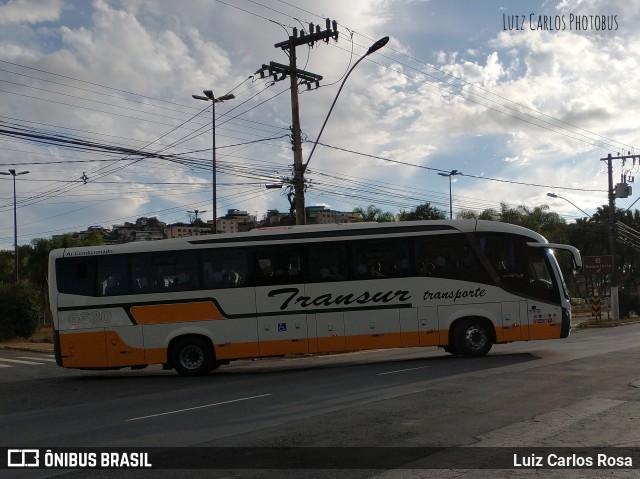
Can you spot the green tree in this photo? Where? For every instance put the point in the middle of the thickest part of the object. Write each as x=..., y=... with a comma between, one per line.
x=373, y=213
x=6, y=266
x=467, y=215
x=20, y=310
x=422, y=212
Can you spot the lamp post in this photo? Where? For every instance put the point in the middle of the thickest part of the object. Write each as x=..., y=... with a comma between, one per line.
x=298, y=180
x=15, y=217
x=209, y=97
x=450, y=174
x=553, y=195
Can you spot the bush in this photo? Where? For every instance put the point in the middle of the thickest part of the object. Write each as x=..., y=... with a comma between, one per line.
x=20, y=310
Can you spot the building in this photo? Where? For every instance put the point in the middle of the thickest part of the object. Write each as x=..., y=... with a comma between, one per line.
x=148, y=235
x=182, y=230
x=235, y=221
x=80, y=235
x=144, y=229
x=321, y=215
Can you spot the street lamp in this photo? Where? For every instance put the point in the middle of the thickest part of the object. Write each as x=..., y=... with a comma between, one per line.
x=450, y=174
x=15, y=217
x=209, y=97
x=553, y=195
x=298, y=180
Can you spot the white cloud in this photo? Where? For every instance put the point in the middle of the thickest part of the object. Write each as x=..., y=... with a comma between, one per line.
x=24, y=11
x=528, y=106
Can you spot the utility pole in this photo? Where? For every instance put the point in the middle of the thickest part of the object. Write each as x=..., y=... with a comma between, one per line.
x=210, y=97
x=315, y=35
x=450, y=174
x=621, y=190
x=15, y=219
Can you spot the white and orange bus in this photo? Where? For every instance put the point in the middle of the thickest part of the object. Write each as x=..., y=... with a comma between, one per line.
x=195, y=303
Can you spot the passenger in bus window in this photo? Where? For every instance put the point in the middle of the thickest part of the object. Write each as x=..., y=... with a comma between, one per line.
x=140, y=282
x=362, y=270
x=112, y=286
x=376, y=270
x=208, y=275
x=159, y=283
x=428, y=269
x=230, y=276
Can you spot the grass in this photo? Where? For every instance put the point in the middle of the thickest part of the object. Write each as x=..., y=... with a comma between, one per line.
x=44, y=334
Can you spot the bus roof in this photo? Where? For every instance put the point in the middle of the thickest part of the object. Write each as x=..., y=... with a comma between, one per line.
x=305, y=233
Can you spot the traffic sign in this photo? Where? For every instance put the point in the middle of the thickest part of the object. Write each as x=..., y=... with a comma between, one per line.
x=597, y=264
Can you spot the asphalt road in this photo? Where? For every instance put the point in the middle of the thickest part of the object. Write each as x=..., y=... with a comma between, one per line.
x=579, y=392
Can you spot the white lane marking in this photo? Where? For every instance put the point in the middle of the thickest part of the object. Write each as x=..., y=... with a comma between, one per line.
x=52, y=360
x=18, y=361
x=401, y=370
x=198, y=407
x=6, y=366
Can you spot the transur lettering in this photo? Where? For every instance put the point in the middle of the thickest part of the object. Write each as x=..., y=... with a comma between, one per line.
x=293, y=296
x=455, y=295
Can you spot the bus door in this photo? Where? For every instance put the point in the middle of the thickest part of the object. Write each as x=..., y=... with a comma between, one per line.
x=544, y=303
x=515, y=325
x=282, y=320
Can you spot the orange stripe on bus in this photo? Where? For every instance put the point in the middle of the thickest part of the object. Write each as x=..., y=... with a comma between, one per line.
x=373, y=341
x=237, y=350
x=176, y=312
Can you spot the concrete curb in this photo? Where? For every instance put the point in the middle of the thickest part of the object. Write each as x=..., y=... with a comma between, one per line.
x=35, y=347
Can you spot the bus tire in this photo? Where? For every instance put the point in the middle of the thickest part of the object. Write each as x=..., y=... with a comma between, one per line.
x=472, y=338
x=451, y=350
x=192, y=356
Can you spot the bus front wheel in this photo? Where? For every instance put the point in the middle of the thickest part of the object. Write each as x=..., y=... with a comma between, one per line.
x=193, y=356
x=472, y=338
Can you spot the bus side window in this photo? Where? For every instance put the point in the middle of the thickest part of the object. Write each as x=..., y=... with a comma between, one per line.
x=76, y=276
x=437, y=256
x=327, y=262
x=112, y=276
x=142, y=281
x=448, y=256
x=224, y=268
x=278, y=265
x=508, y=257
x=380, y=259
x=174, y=271
x=541, y=282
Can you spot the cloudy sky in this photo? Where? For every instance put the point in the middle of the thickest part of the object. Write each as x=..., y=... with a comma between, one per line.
x=522, y=97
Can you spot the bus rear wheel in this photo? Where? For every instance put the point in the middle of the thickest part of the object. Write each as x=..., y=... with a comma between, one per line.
x=193, y=356
x=472, y=338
